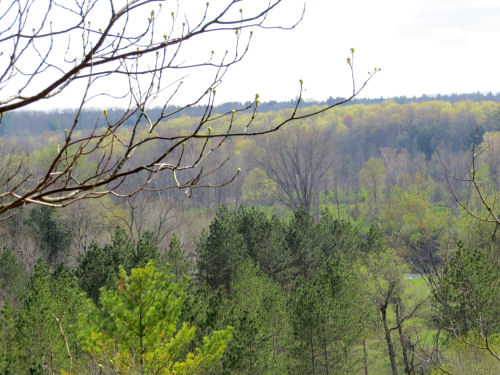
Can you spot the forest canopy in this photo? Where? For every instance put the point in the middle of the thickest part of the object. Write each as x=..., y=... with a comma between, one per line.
x=384, y=269
x=345, y=236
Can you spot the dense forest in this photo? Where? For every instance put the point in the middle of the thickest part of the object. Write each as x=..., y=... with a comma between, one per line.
x=361, y=241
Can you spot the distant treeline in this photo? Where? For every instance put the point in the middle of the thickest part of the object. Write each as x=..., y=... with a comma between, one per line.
x=23, y=123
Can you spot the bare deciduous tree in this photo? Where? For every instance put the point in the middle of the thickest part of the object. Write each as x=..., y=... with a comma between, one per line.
x=479, y=187
x=297, y=160
x=132, y=51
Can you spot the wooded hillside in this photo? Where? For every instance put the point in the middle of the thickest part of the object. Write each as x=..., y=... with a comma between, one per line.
x=351, y=243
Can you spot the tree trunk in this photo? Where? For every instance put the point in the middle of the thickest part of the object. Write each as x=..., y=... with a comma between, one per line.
x=337, y=201
x=390, y=346
x=325, y=352
x=403, y=341
x=347, y=202
x=365, y=357
x=19, y=229
x=312, y=355
x=316, y=208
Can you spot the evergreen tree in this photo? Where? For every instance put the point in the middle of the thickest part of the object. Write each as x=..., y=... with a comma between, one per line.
x=12, y=278
x=145, y=251
x=10, y=352
x=51, y=234
x=136, y=331
x=99, y=266
x=256, y=308
x=374, y=240
x=338, y=238
x=466, y=294
x=263, y=332
x=221, y=250
x=50, y=307
x=305, y=252
x=181, y=266
x=328, y=315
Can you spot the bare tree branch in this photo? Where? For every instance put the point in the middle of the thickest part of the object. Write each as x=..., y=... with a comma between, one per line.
x=130, y=51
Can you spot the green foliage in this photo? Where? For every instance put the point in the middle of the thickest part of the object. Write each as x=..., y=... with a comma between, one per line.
x=136, y=330
x=236, y=236
x=265, y=241
x=258, y=188
x=221, y=250
x=263, y=329
x=340, y=238
x=384, y=273
x=374, y=240
x=282, y=251
x=9, y=348
x=52, y=235
x=287, y=286
x=181, y=265
x=12, y=278
x=145, y=250
x=466, y=294
x=468, y=355
x=51, y=298
x=415, y=226
x=372, y=177
x=257, y=310
x=316, y=265
x=329, y=315
x=99, y=266
x=300, y=239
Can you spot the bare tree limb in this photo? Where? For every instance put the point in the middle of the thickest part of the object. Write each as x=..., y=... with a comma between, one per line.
x=108, y=44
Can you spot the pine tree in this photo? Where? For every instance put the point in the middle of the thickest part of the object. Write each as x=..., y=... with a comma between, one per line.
x=181, y=266
x=136, y=331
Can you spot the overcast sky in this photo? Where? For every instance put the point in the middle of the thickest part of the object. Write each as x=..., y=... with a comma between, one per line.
x=423, y=47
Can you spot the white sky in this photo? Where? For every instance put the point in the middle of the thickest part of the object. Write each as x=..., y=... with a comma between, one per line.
x=422, y=46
